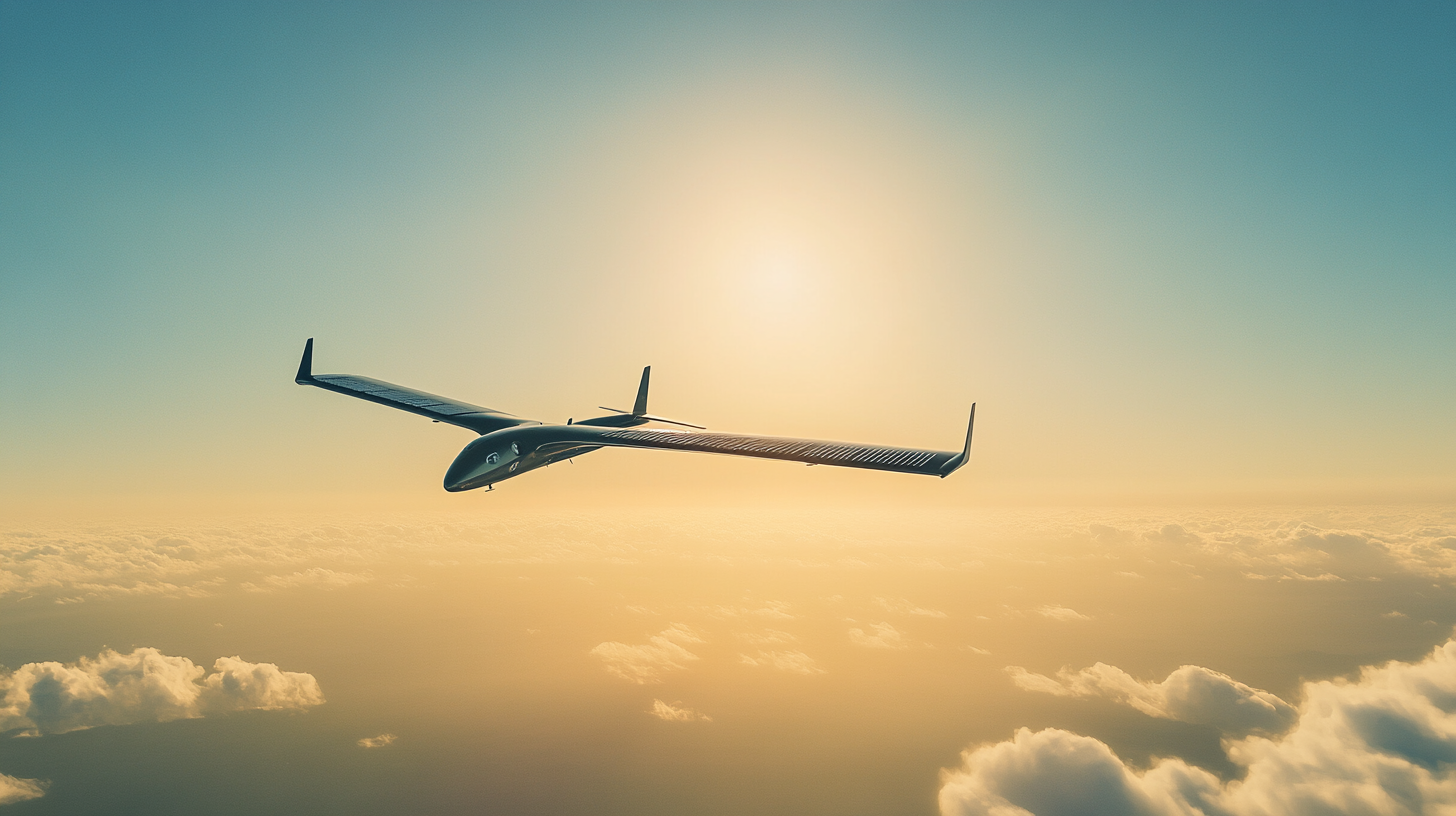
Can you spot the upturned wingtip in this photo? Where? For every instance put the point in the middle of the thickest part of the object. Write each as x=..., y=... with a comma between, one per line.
x=961, y=458
x=305, y=365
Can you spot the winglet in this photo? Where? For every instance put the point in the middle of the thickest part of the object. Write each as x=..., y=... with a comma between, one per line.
x=640, y=407
x=960, y=458
x=305, y=366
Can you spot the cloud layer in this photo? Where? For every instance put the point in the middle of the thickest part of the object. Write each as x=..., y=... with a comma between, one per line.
x=70, y=564
x=143, y=686
x=1190, y=694
x=1383, y=744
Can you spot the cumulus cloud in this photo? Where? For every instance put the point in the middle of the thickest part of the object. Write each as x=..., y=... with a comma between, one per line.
x=792, y=662
x=380, y=741
x=1058, y=773
x=143, y=685
x=1381, y=744
x=879, y=636
x=1190, y=694
x=14, y=789
x=676, y=713
x=237, y=685
x=645, y=663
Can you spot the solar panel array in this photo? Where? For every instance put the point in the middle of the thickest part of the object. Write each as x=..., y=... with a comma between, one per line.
x=829, y=453
x=403, y=396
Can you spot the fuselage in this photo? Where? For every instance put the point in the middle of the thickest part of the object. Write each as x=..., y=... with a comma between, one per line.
x=508, y=453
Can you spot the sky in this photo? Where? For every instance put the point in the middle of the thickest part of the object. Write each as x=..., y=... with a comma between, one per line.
x=1195, y=265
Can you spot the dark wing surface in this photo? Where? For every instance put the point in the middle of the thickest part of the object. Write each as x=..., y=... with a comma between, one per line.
x=809, y=451
x=441, y=409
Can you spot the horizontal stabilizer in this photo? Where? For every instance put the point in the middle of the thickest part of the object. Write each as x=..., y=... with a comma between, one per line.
x=673, y=421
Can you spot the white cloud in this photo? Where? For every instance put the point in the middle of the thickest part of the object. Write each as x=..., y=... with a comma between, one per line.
x=1058, y=773
x=1383, y=744
x=14, y=789
x=237, y=685
x=880, y=636
x=381, y=741
x=792, y=662
x=676, y=713
x=645, y=663
x=143, y=686
x=1060, y=613
x=1190, y=694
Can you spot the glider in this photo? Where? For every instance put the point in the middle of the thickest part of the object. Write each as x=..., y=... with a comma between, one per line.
x=509, y=445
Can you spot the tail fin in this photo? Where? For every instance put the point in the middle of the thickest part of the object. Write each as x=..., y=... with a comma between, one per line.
x=640, y=406
x=639, y=413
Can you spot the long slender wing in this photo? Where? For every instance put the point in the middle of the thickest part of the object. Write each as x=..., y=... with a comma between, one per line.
x=810, y=451
x=441, y=409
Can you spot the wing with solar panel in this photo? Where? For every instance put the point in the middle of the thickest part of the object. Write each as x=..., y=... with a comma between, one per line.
x=808, y=451
x=509, y=445
x=441, y=409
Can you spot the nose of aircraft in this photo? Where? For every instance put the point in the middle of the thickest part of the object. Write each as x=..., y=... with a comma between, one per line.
x=467, y=466
x=455, y=479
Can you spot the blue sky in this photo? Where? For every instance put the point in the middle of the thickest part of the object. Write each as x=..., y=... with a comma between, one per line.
x=1205, y=247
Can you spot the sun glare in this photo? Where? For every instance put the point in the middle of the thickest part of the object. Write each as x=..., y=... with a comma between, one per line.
x=779, y=278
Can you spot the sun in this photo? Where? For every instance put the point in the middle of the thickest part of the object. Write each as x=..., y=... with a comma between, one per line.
x=780, y=276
